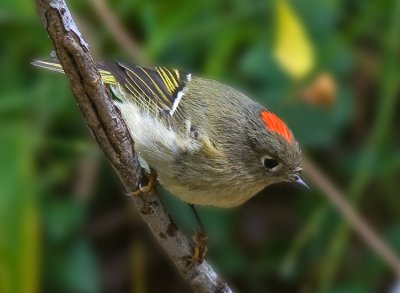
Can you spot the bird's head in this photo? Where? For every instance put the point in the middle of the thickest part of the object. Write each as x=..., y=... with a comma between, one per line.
x=273, y=154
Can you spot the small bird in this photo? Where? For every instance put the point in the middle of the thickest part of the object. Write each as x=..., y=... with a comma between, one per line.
x=208, y=143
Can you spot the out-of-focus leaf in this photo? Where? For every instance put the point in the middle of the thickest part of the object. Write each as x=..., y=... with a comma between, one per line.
x=352, y=288
x=19, y=222
x=293, y=49
x=62, y=218
x=321, y=92
x=72, y=267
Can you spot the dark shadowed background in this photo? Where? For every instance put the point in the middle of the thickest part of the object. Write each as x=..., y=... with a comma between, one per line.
x=65, y=223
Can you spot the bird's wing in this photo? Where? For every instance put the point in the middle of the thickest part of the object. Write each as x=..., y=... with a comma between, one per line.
x=157, y=90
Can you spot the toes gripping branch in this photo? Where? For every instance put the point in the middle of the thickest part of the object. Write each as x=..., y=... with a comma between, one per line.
x=150, y=180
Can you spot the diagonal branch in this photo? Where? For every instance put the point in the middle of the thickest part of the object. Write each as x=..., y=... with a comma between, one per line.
x=107, y=126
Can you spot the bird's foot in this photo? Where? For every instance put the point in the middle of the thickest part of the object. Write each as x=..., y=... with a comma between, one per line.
x=150, y=182
x=200, y=240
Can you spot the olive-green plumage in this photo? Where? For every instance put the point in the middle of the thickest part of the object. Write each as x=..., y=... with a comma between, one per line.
x=208, y=143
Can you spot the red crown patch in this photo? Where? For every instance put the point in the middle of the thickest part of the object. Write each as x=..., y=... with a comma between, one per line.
x=275, y=124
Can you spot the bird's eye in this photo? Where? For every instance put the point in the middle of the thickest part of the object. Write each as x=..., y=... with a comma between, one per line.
x=270, y=163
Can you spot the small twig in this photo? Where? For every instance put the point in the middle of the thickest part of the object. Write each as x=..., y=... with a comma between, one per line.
x=117, y=30
x=109, y=129
x=333, y=194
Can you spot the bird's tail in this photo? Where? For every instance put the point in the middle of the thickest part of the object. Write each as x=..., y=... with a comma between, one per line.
x=106, y=76
x=50, y=65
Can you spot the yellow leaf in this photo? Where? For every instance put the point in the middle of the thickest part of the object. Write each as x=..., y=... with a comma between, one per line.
x=293, y=49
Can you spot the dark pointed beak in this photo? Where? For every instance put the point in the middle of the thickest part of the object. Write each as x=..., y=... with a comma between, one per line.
x=300, y=181
x=297, y=179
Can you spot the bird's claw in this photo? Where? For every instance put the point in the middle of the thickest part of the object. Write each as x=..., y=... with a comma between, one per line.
x=151, y=179
x=200, y=240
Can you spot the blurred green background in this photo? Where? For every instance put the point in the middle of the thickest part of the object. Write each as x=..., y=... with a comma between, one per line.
x=65, y=223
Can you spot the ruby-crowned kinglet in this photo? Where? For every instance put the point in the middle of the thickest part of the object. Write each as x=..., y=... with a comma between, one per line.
x=210, y=144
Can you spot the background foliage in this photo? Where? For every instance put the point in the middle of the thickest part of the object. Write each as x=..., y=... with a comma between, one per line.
x=65, y=224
